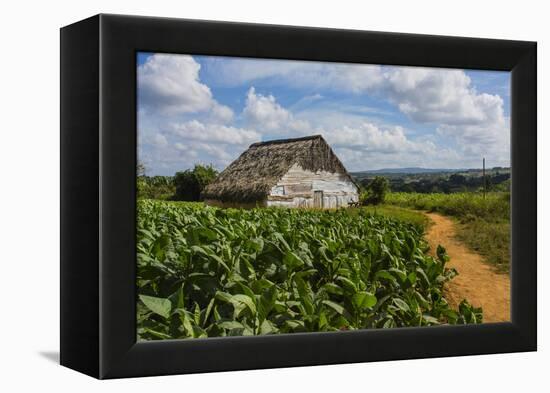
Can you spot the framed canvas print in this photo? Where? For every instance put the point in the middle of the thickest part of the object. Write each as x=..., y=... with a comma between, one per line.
x=239, y=196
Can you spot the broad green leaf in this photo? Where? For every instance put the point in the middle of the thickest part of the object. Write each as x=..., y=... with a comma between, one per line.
x=197, y=314
x=412, y=278
x=399, y=273
x=186, y=322
x=401, y=304
x=158, y=334
x=208, y=311
x=295, y=324
x=159, y=247
x=323, y=322
x=364, y=300
x=223, y=296
x=333, y=288
x=230, y=325
x=160, y=306
x=335, y=306
x=240, y=300
x=347, y=283
x=292, y=260
x=206, y=252
x=267, y=327
x=267, y=302
x=384, y=274
x=430, y=319
x=282, y=240
x=177, y=298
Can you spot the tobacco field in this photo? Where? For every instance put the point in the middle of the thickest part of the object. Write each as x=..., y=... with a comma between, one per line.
x=209, y=272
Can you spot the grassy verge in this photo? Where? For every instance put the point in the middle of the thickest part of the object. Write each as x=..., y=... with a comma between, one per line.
x=412, y=217
x=490, y=239
x=483, y=223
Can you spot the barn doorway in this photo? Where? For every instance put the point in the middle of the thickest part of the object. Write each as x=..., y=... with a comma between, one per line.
x=318, y=199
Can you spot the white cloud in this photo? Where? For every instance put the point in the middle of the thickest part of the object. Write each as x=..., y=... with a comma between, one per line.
x=264, y=111
x=322, y=75
x=441, y=96
x=424, y=94
x=179, y=146
x=266, y=114
x=477, y=141
x=160, y=140
x=219, y=152
x=215, y=133
x=369, y=137
x=170, y=85
x=445, y=98
x=360, y=144
x=357, y=160
x=183, y=124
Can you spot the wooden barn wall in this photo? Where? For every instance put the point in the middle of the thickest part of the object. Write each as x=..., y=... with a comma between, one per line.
x=299, y=186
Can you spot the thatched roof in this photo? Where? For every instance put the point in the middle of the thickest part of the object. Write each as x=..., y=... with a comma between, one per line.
x=251, y=176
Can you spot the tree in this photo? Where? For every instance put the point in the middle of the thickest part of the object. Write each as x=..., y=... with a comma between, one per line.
x=190, y=183
x=375, y=192
x=140, y=169
x=457, y=179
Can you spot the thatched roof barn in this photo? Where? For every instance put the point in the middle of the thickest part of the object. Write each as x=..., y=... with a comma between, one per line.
x=300, y=172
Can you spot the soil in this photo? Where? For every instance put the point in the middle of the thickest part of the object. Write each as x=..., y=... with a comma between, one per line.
x=477, y=281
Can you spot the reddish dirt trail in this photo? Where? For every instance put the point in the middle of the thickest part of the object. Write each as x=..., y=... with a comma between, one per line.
x=477, y=281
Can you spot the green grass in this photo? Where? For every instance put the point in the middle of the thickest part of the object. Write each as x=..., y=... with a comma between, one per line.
x=483, y=222
x=419, y=220
x=490, y=239
x=493, y=207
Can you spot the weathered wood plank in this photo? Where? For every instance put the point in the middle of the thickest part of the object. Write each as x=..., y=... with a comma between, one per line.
x=297, y=187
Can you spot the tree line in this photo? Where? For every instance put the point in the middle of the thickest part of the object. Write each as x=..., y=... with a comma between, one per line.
x=183, y=186
x=445, y=184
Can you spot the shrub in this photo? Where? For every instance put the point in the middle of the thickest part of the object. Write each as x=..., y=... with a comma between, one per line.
x=375, y=192
x=156, y=187
x=190, y=183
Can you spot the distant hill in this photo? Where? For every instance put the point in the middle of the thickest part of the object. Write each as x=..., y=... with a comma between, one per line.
x=412, y=170
x=415, y=179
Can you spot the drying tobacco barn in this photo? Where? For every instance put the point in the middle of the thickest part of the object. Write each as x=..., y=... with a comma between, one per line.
x=301, y=172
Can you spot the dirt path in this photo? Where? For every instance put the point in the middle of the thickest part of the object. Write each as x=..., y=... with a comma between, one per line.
x=477, y=281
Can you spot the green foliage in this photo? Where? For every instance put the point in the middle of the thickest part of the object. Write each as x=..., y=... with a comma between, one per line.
x=466, y=205
x=155, y=187
x=418, y=219
x=375, y=191
x=190, y=183
x=497, y=179
x=490, y=239
x=208, y=272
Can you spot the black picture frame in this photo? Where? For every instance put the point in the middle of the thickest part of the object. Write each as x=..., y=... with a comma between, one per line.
x=98, y=197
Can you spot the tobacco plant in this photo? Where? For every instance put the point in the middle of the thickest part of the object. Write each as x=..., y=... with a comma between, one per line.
x=209, y=272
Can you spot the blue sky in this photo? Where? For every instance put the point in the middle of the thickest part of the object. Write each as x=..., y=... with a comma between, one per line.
x=208, y=110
